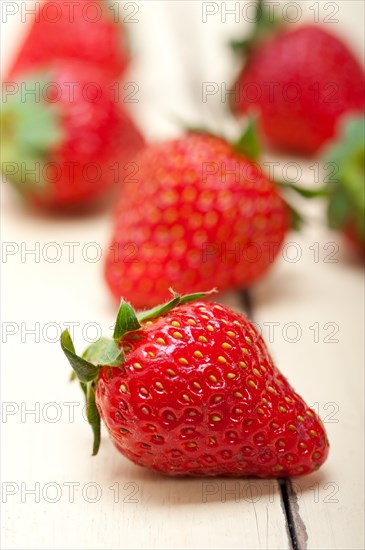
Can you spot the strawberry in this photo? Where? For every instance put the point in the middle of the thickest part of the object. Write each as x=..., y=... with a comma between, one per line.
x=301, y=81
x=196, y=212
x=345, y=158
x=64, y=135
x=86, y=30
x=189, y=388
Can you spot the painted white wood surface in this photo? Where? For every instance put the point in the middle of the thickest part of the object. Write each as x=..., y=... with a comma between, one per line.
x=171, y=513
x=168, y=513
x=325, y=365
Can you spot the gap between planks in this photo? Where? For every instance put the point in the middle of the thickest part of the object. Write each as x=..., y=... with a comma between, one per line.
x=295, y=526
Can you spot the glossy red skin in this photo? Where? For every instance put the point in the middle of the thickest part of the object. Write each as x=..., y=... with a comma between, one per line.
x=96, y=132
x=56, y=34
x=169, y=213
x=267, y=430
x=307, y=56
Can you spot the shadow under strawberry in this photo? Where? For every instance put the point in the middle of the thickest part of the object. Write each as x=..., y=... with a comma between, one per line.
x=189, y=388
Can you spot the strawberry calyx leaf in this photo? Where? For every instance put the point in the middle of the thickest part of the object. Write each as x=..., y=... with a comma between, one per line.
x=104, y=351
x=265, y=24
x=196, y=296
x=177, y=300
x=248, y=143
x=31, y=131
x=109, y=352
x=126, y=321
x=159, y=310
x=84, y=369
x=93, y=416
x=346, y=189
x=296, y=219
x=304, y=192
x=87, y=372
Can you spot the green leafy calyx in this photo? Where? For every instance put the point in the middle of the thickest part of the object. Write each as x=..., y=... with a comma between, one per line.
x=249, y=143
x=265, y=23
x=109, y=351
x=346, y=188
x=31, y=129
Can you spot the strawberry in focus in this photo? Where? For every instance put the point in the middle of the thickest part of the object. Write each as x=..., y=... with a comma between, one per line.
x=64, y=135
x=86, y=30
x=196, y=212
x=301, y=81
x=189, y=388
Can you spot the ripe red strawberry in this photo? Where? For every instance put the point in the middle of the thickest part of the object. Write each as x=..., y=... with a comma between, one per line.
x=190, y=388
x=196, y=212
x=65, y=136
x=85, y=30
x=300, y=81
x=346, y=160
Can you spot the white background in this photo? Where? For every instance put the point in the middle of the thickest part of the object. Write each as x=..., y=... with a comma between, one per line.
x=175, y=52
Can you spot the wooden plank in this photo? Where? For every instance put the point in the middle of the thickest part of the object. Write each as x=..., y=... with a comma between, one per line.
x=156, y=512
x=326, y=365
x=152, y=511
x=168, y=513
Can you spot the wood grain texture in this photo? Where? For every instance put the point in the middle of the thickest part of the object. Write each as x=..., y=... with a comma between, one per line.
x=326, y=366
x=106, y=502
x=150, y=511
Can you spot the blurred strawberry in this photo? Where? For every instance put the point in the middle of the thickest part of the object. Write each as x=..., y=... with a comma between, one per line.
x=64, y=135
x=87, y=30
x=346, y=188
x=300, y=81
x=198, y=211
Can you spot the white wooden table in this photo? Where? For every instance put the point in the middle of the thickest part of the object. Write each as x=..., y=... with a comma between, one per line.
x=54, y=495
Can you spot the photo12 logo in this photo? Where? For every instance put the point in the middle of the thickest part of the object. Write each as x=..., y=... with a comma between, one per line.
x=255, y=491
x=70, y=491
x=253, y=12
x=53, y=92
x=91, y=11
